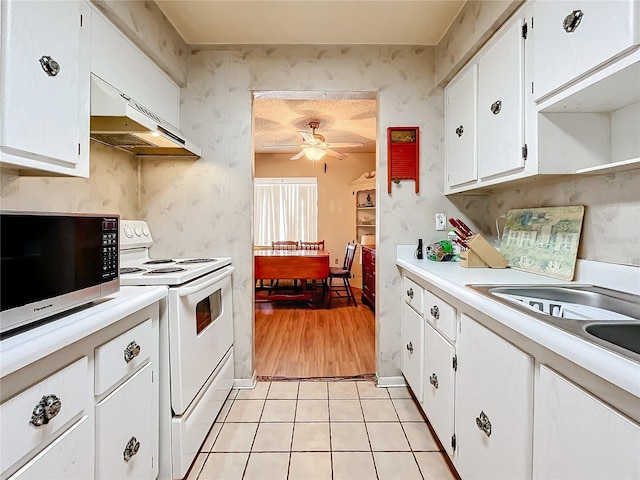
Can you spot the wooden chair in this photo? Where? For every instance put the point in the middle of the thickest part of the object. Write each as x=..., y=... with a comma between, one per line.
x=345, y=274
x=312, y=245
x=285, y=245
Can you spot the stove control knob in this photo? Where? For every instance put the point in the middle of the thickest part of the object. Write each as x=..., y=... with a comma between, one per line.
x=127, y=231
x=145, y=231
x=138, y=231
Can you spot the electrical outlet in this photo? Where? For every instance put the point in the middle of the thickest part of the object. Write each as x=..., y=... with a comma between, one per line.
x=441, y=221
x=336, y=261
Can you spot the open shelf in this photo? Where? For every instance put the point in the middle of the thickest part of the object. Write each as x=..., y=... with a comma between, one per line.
x=620, y=166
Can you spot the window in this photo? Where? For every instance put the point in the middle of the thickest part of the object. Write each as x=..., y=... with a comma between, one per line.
x=285, y=209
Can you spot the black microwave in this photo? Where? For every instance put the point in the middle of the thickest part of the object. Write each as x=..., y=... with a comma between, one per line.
x=53, y=262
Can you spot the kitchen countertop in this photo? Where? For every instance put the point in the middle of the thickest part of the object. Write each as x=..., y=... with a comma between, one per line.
x=452, y=278
x=22, y=349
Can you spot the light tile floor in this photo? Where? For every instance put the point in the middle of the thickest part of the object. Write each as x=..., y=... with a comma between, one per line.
x=348, y=430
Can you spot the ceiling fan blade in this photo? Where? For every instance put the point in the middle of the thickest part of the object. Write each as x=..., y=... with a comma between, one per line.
x=297, y=155
x=308, y=138
x=346, y=144
x=282, y=146
x=333, y=153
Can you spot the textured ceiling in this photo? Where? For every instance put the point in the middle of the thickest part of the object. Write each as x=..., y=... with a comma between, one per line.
x=278, y=122
x=312, y=22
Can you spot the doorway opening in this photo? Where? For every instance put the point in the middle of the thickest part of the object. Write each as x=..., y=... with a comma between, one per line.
x=329, y=136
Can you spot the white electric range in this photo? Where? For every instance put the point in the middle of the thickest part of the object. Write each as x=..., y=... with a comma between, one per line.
x=196, y=342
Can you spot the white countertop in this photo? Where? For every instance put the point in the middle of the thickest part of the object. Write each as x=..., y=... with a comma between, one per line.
x=20, y=350
x=452, y=278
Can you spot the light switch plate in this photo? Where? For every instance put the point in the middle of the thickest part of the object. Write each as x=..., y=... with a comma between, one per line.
x=441, y=221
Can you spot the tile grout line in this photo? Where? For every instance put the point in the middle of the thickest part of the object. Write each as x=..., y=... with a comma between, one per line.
x=413, y=453
x=244, y=470
x=366, y=429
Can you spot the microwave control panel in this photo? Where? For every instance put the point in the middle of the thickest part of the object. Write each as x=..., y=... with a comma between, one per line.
x=110, y=248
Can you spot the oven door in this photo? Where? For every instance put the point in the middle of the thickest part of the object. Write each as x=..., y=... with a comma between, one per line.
x=200, y=333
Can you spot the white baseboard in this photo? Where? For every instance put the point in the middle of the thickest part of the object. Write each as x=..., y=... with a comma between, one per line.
x=390, y=381
x=245, y=383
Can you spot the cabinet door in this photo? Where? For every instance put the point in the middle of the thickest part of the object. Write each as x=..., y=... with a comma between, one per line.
x=127, y=429
x=460, y=126
x=494, y=405
x=439, y=377
x=44, y=113
x=575, y=36
x=578, y=436
x=501, y=104
x=412, y=332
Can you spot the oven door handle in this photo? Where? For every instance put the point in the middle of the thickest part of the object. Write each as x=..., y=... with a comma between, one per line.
x=189, y=289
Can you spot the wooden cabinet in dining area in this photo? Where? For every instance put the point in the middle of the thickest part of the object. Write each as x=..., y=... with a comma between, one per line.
x=369, y=276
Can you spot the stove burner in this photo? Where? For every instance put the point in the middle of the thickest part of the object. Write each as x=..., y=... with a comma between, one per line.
x=131, y=270
x=160, y=271
x=196, y=260
x=157, y=262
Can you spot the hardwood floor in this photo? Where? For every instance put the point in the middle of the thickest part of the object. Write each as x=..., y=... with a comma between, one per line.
x=296, y=341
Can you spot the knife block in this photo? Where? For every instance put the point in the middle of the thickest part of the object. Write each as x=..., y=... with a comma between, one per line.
x=481, y=254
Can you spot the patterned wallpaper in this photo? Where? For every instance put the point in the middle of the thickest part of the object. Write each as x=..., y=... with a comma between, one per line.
x=206, y=207
x=112, y=187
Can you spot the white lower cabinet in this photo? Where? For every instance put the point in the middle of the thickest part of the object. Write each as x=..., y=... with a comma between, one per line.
x=494, y=405
x=578, y=436
x=412, y=333
x=127, y=429
x=439, y=385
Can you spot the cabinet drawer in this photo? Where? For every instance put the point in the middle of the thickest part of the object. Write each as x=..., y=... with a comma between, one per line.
x=122, y=356
x=597, y=32
x=66, y=395
x=413, y=295
x=66, y=457
x=127, y=429
x=440, y=314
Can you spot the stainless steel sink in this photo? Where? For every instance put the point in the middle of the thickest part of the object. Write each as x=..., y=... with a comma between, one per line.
x=606, y=317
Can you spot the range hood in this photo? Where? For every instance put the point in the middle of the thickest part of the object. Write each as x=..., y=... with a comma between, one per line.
x=119, y=121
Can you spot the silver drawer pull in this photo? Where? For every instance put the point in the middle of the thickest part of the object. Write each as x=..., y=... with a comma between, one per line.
x=435, y=312
x=410, y=347
x=131, y=352
x=571, y=21
x=433, y=380
x=46, y=409
x=410, y=293
x=483, y=423
x=132, y=447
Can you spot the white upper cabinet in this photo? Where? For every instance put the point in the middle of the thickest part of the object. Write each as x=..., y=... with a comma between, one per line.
x=460, y=128
x=117, y=61
x=44, y=78
x=501, y=104
x=574, y=37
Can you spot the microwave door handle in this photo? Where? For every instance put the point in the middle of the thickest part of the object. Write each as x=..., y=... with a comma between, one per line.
x=189, y=289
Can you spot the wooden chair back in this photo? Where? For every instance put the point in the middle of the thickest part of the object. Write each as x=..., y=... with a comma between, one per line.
x=285, y=245
x=312, y=245
x=349, y=255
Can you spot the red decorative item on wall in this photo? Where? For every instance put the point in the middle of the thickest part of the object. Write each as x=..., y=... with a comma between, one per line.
x=402, y=155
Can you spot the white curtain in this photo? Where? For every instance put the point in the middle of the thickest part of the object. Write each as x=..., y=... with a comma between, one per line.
x=285, y=209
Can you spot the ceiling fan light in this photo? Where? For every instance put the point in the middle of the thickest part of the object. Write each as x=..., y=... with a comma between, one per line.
x=314, y=153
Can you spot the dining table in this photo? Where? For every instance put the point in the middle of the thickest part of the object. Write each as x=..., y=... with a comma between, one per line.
x=301, y=265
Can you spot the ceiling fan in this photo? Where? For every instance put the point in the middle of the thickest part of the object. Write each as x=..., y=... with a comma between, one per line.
x=314, y=145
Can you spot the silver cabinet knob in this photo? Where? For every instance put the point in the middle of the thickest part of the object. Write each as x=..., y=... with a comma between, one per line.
x=460, y=131
x=435, y=312
x=410, y=293
x=496, y=107
x=46, y=409
x=410, y=347
x=483, y=423
x=49, y=65
x=131, y=352
x=571, y=21
x=433, y=380
x=132, y=447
